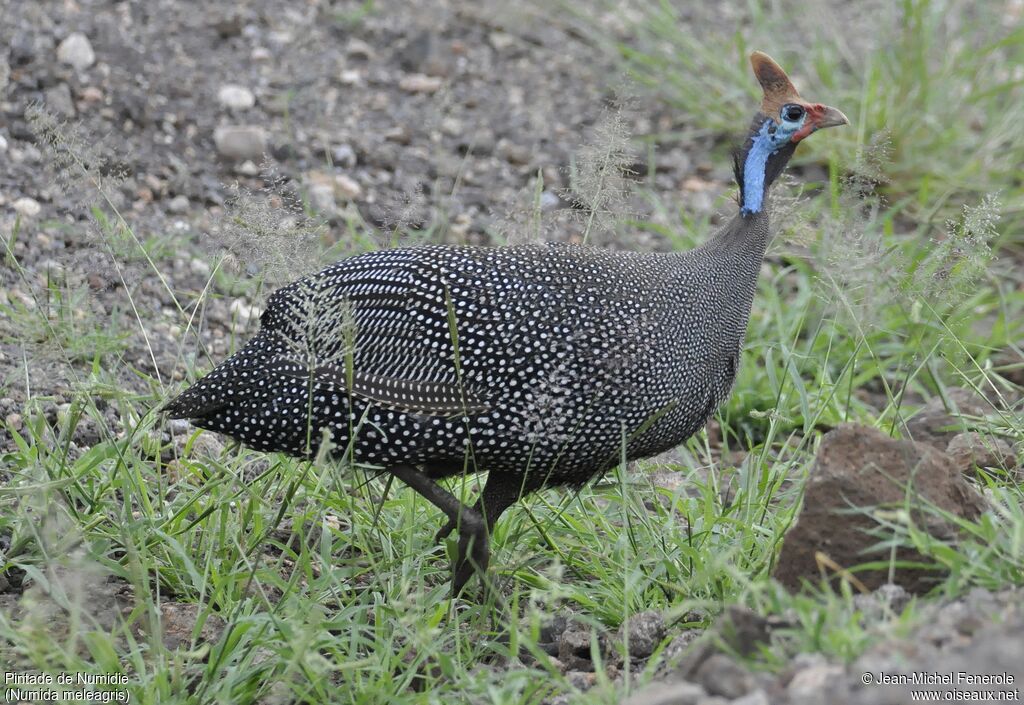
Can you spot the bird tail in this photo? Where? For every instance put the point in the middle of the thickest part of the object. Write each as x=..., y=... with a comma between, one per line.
x=233, y=381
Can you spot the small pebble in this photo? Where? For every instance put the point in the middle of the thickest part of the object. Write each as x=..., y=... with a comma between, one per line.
x=235, y=97
x=91, y=94
x=178, y=426
x=347, y=187
x=501, y=40
x=321, y=195
x=3, y=143
x=451, y=126
x=245, y=311
x=344, y=156
x=358, y=49
x=58, y=99
x=14, y=422
x=199, y=266
x=179, y=204
x=76, y=51
x=349, y=77
x=247, y=168
x=240, y=141
x=420, y=83
x=27, y=207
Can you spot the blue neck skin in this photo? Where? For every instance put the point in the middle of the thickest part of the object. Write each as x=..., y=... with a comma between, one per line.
x=769, y=139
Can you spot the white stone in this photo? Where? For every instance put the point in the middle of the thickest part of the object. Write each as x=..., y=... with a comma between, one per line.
x=420, y=83
x=350, y=77
x=247, y=168
x=234, y=97
x=3, y=143
x=76, y=51
x=28, y=207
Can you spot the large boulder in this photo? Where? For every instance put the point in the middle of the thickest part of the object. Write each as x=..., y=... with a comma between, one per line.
x=860, y=471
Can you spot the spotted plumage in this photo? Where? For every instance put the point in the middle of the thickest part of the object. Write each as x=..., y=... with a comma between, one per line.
x=537, y=364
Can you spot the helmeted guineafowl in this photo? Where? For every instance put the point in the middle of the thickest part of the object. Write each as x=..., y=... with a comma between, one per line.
x=536, y=364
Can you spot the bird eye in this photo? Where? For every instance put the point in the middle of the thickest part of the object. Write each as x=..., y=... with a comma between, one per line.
x=791, y=112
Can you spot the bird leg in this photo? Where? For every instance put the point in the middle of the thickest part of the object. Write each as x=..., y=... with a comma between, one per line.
x=474, y=553
x=500, y=492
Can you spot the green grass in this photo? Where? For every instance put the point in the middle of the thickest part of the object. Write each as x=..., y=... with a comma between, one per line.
x=310, y=582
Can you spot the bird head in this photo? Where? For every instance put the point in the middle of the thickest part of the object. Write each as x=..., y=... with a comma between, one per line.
x=794, y=117
x=783, y=121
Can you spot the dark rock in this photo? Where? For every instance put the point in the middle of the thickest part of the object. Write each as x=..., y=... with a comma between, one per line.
x=581, y=680
x=642, y=633
x=552, y=629
x=859, y=470
x=58, y=99
x=888, y=600
x=574, y=647
x=936, y=425
x=972, y=450
x=721, y=675
x=743, y=630
x=424, y=54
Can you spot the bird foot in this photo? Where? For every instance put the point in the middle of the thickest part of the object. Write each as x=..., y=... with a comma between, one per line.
x=445, y=531
x=474, y=552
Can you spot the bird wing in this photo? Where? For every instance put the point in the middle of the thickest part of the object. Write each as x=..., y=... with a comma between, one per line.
x=379, y=327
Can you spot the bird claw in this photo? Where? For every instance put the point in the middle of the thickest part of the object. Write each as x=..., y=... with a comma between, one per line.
x=445, y=531
x=474, y=555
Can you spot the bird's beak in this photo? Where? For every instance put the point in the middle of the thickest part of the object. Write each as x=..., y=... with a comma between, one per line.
x=830, y=117
x=819, y=117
